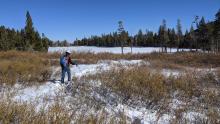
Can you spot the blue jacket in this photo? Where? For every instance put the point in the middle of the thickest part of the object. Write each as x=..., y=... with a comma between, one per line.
x=65, y=62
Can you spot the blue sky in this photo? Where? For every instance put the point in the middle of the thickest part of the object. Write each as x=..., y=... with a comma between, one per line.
x=71, y=19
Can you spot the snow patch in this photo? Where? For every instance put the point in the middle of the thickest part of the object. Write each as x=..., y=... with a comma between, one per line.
x=115, y=50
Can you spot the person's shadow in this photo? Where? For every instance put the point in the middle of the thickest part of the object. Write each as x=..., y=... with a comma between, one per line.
x=54, y=81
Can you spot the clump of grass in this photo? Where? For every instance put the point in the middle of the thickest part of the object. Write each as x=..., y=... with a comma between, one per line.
x=136, y=82
x=185, y=84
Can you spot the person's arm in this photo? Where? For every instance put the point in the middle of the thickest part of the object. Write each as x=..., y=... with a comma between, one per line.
x=73, y=62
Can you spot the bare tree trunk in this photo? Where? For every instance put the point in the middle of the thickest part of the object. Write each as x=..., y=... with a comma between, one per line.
x=122, y=48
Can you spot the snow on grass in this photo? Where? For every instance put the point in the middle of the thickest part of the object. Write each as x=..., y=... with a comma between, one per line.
x=84, y=69
x=36, y=92
x=145, y=116
x=49, y=91
x=115, y=50
x=169, y=72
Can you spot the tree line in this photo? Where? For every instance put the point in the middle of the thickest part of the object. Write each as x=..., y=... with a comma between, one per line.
x=27, y=39
x=205, y=36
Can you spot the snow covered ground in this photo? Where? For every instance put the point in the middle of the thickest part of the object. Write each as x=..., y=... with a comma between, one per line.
x=115, y=50
x=47, y=93
x=52, y=88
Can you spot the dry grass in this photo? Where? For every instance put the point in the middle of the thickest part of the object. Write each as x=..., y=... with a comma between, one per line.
x=57, y=113
x=137, y=82
x=23, y=67
x=12, y=112
x=140, y=83
x=24, y=63
x=175, y=60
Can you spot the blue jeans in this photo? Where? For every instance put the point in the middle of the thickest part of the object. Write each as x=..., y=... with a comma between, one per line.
x=64, y=70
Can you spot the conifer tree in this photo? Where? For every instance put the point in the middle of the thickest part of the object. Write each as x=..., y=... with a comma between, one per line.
x=29, y=32
x=122, y=35
x=179, y=34
x=216, y=31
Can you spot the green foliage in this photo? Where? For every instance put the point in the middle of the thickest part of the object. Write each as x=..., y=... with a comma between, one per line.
x=25, y=39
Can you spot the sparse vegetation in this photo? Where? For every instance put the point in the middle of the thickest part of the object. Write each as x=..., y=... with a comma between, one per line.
x=139, y=84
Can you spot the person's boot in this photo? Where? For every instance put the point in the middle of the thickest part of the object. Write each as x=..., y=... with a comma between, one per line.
x=67, y=83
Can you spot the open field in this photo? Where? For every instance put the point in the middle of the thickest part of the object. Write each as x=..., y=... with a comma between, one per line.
x=115, y=50
x=111, y=88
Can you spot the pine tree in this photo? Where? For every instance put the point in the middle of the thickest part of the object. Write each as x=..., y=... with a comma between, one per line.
x=123, y=36
x=24, y=45
x=140, y=38
x=192, y=38
x=45, y=42
x=29, y=32
x=187, y=40
x=38, y=45
x=210, y=37
x=163, y=36
x=179, y=34
x=216, y=31
x=150, y=38
x=3, y=38
x=172, y=38
x=203, y=34
x=196, y=32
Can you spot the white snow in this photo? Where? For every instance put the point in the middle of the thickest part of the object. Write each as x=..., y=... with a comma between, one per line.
x=169, y=72
x=36, y=92
x=115, y=50
x=146, y=116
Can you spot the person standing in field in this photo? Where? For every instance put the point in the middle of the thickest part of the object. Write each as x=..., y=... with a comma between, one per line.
x=65, y=62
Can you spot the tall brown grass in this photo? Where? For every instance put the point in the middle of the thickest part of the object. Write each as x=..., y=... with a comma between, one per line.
x=25, y=113
x=174, y=60
x=23, y=67
x=141, y=83
x=137, y=82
